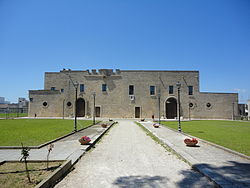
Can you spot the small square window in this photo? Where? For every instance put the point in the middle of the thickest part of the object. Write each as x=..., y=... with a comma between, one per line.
x=52, y=88
x=171, y=89
x=81, y=87
x=190, y=90
x=131, y=90
x=62, y=90
x=104, y=87
x=152, y=90
x=31, y=99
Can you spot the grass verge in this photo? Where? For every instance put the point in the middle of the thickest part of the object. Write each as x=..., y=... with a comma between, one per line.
x=234, y=135
x=33, y=132
x=12, y=174
x=158, y=141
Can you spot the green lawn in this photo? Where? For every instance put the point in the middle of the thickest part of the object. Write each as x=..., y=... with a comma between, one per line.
x=231, y=134
x=32, y=132
x=13, y=115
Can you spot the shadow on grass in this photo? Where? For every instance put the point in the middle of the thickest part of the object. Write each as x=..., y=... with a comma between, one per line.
x=233, y=174
x=140, y=181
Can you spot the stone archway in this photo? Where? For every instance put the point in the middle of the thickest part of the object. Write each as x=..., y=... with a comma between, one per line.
x=171, y=108
x=80, y=107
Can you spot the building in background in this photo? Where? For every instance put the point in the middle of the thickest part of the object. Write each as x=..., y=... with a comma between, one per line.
x=243, y=111
x=129, y=94
x=3, y=101
x=20, y=107
x=23, y=103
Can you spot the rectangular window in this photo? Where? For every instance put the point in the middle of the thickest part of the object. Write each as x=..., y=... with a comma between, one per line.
x=81, y=87
x=52, y=88
x=190, y=90
x=104, y=87
x=152, y=90
x=62, y=90
x=131, y=90
x=171, y=89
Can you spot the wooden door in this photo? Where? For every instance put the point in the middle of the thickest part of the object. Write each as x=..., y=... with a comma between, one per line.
x=97, y=111
x=137, y=112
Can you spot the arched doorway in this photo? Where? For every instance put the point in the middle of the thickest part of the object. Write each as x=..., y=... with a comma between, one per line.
x=171, y=108
x=80, y=107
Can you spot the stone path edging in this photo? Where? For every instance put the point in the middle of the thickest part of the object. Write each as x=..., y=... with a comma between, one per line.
x=213, y=144
x=52, y=179
x=78, y=154
x=179, y=155
x=229, y=179
x=55, y=176
x=59, y=173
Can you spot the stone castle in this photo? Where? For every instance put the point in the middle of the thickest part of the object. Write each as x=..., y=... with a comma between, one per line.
x=118, y=93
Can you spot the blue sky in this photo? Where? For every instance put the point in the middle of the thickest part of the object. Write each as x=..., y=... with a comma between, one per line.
x=40, y=36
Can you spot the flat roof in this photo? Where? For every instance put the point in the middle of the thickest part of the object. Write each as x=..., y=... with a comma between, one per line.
x=116, y=70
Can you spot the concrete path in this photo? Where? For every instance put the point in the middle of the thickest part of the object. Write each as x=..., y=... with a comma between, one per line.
x=127, y=157
x=67, y=148
x=226, y=169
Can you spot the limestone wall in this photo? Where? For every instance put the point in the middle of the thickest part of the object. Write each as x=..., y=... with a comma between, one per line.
x=116, y=101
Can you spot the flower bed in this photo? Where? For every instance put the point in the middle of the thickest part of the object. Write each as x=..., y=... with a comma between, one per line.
x=156, y=125
x=104, y=125
x=191, y=142
x=84, y=140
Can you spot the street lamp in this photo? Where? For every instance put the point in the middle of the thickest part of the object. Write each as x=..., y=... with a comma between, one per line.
x=75, y=84
x=178, y=84
x=76, y=88
x=159, y=106
x=233, y=112
x=94, y=94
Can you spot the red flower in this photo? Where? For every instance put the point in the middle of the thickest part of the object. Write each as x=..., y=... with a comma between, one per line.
x=193, y=140
x=86, y=138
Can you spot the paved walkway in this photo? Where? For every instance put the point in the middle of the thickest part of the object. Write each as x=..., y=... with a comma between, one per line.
x=225, y=168
x=127, y=157
x=67, y=148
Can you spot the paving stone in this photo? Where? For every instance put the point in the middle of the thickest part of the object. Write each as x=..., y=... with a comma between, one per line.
x=127, y=157
x=225, y=168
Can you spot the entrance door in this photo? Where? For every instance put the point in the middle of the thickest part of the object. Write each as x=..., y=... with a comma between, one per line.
x=97, y=111
x=80, y=107
x=137, y=112
x=171, y=108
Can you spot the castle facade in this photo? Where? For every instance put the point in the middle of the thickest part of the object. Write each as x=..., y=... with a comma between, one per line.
x=118, y=93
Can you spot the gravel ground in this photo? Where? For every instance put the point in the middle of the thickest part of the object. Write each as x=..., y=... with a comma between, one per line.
x=127, y=157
